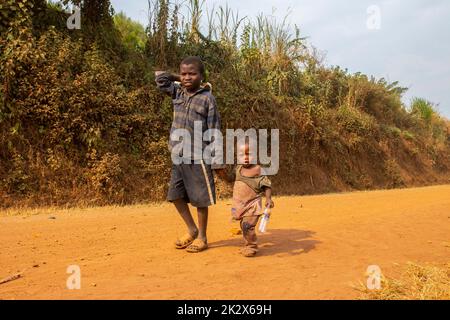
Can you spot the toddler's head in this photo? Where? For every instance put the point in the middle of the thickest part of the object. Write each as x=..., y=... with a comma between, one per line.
x=247, y=153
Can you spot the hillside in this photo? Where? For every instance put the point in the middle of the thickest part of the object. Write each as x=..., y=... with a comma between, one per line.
x=82, y=123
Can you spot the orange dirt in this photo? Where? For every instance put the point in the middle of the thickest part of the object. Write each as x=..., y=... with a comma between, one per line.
x=317, y=247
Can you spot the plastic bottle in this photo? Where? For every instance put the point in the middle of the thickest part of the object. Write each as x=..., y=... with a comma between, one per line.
x=264, y=220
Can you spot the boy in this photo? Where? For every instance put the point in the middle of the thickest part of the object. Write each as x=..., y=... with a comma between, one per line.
x=249, y=186
x=191, y=182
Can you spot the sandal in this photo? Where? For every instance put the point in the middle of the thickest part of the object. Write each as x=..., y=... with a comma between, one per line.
x=197, y=246
x=249, y=251
x=185, y=241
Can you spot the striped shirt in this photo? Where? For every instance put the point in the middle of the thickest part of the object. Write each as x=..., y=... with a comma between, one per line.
x=188, y=108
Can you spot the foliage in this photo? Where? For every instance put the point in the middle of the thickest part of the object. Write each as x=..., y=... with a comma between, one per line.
x=422, y=109
x=133, y=33
x=82, y=122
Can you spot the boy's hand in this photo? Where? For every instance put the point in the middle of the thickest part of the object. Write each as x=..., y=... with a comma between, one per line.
x=269, y=203
x=175, y=77
x=172, y=76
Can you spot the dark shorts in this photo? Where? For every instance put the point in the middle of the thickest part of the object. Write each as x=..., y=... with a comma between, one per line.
x=194, y=183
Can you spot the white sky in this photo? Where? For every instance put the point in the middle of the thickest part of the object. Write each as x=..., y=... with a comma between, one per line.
x=411, y=46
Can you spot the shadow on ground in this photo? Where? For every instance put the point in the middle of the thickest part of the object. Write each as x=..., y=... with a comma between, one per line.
x=276, y=241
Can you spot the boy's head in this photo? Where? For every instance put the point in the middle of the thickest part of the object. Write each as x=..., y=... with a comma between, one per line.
x=192, y=73
x=246, y=154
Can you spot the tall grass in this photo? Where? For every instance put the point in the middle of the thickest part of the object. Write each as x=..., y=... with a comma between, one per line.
x=423, y=109
x=195, y=14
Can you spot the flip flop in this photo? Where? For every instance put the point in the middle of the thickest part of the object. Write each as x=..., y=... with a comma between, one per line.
x=248, y=251
x=197, y=246
x=184, y=241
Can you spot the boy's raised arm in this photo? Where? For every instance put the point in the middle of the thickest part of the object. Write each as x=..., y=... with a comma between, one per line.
x=165, y=82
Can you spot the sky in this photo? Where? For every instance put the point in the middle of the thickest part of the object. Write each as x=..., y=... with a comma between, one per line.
x=399, y=40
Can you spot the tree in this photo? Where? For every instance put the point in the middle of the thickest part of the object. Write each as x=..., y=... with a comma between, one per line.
x=94, y=12
x=132, y=33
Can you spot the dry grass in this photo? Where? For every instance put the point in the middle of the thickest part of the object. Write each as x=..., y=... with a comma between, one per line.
x=415, y=283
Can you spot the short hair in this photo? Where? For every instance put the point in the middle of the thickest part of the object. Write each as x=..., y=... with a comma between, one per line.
x=196, y=61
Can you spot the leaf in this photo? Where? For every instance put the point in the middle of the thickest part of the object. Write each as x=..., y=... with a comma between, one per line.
x=15, y=129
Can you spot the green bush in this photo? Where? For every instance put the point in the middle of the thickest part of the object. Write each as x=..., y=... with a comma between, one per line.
x=353, y=120
x=132, y=33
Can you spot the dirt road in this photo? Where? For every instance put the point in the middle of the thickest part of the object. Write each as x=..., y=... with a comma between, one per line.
x=316, y=247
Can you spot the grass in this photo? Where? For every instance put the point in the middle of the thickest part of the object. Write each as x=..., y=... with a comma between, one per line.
x=417, y=282
x=423, y=109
